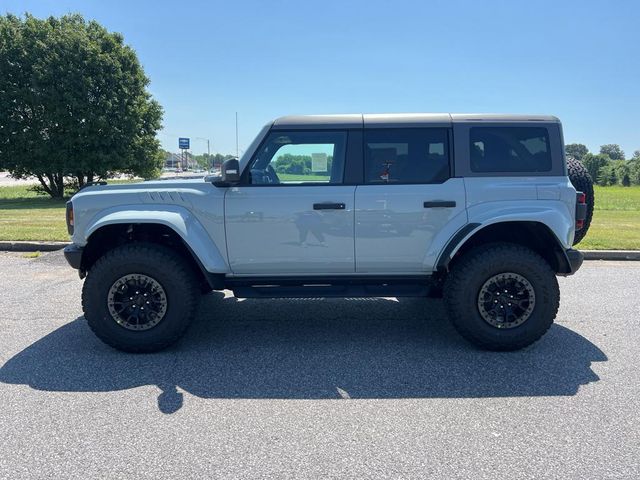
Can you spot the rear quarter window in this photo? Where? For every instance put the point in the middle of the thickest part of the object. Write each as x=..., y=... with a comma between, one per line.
x=509, y=149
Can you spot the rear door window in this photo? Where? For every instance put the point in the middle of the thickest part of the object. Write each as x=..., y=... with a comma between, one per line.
x=407, y=155
x=509, y=149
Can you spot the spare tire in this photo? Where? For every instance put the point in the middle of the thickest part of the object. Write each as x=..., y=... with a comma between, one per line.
x=582, y=182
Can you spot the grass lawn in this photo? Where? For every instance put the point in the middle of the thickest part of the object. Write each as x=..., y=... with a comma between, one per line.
x=616, y=220
x=25, y=215
x=289, y=177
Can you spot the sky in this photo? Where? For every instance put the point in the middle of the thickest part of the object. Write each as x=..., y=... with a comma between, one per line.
x=207, y=60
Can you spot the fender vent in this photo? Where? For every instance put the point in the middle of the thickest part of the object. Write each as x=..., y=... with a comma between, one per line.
x=164, y=196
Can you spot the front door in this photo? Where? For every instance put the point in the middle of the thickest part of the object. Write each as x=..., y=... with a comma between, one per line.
x=292, y=215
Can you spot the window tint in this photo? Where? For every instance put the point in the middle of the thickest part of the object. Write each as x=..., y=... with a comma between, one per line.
x=413, y=155
x=299, y=157
x=510, y=149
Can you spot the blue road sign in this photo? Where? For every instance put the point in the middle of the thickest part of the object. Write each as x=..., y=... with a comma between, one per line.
x=183, y=143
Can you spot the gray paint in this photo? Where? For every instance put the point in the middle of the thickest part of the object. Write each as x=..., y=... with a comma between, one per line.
x=275, y=229
x=384, y=229
x=394, y=229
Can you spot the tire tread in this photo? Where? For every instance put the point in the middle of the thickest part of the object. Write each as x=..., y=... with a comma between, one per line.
x=582, y=182
x=157, y=254
x=467, y=266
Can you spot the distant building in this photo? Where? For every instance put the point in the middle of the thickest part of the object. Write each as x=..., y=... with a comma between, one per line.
x=175, y=160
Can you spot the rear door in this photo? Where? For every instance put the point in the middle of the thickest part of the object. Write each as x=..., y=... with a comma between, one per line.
x=407, y=199
x=293, y=213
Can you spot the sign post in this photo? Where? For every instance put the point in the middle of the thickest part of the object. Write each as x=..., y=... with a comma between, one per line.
x=183, y=144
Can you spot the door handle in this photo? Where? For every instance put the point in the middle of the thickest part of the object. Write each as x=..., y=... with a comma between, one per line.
x=440, y=204
x=329, y=206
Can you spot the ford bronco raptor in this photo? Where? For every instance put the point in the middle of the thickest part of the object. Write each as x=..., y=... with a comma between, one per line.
x=478, y=208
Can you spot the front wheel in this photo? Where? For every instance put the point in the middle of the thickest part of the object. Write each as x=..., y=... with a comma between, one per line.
x=140, y=297
x=501, y=296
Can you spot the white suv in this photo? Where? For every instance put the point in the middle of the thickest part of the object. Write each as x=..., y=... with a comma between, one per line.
x=479, y=207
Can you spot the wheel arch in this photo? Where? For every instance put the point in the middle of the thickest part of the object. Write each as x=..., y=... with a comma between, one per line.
x=532, y=234
x=178, y=230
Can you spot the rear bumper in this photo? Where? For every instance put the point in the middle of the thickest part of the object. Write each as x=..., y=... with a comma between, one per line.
x=73, y=255
x=574, y=258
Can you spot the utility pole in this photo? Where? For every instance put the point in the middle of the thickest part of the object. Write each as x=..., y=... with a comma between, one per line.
x=237, y=149
x=209, y=161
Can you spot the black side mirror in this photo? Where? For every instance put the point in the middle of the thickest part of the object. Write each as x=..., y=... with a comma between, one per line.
x=230, y=171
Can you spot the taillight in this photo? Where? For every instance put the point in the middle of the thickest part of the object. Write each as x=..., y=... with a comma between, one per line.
x=581, y=210
x=70, y=218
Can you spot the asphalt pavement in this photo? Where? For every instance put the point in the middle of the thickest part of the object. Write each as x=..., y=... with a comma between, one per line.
x=354, y=388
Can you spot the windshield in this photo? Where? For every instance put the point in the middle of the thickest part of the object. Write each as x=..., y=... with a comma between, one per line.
x=248, y=153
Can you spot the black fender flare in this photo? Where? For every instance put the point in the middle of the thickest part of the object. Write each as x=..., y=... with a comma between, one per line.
x=560, y=259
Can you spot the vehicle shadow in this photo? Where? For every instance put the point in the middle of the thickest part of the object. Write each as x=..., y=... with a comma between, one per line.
x=310, y=349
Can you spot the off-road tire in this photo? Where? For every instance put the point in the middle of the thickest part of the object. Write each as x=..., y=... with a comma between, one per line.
x=163, y=265
x=468, y=274
x=582, y=182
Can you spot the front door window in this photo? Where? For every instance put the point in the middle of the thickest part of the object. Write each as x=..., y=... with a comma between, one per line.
x=299, y=157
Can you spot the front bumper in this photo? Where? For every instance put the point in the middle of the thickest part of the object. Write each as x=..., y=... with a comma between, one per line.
x=73, y=254
x=574, y=259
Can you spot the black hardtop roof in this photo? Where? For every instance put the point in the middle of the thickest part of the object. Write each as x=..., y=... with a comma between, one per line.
x=376, y=120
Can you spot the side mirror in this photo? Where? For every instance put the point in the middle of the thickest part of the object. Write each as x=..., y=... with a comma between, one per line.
x=230, y=171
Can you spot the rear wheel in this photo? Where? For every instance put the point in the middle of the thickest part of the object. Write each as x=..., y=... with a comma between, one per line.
x=140, y=297
x=501, y=296
x=582, y=182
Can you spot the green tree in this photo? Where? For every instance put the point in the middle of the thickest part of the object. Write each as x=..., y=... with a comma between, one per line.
x=75, y=104
x=622, y=172
x=613, y=151
x=634, y=170
x=593, y=163
x=298, y=164
x=607, y=176
x=576, y=150
x=207, y=160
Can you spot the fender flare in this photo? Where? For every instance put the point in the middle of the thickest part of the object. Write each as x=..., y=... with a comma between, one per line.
x=177, y=218
x=471, y=229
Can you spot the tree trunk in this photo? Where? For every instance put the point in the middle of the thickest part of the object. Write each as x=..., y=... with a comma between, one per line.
x=53, y=184
x=59, y=179
x=45, y=187
x=84, y=178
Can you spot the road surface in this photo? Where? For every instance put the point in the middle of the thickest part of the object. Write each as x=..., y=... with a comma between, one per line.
x=318, y=389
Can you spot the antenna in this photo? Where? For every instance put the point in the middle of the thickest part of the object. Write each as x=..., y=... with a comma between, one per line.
x=237, y=149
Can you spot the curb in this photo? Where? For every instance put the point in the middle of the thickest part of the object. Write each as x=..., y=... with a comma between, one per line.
x=25, y=246
x=611, y=254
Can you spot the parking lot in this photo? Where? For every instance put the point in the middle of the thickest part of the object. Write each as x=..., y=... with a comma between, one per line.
x=318, y=388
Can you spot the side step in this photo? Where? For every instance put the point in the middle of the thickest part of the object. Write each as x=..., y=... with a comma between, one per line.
x=329, y=291
x=278, y=288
